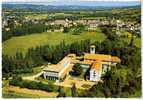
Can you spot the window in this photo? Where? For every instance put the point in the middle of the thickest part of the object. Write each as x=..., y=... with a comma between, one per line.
x=94, y=73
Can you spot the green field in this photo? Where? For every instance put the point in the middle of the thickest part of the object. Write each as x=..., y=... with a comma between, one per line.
x=137, y=41
x=22, y=43
x=36, y=16
x=6, y=94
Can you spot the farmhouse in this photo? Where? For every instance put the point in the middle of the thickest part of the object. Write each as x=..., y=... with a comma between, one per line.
x=97, y=63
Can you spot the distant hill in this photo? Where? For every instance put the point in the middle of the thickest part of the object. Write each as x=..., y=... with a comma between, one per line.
x=60, y=7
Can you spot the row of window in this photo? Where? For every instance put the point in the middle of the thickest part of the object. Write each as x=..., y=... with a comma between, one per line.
x=51, y=78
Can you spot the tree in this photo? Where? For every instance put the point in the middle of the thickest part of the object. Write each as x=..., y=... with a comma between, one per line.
x=74, y=91
x=66, y=30
x=61, y=92
x=77, y=69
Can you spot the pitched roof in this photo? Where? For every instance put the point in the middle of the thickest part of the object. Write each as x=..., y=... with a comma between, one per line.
x=58, y=67
x=92, y=46
x=101, y=57
x=97, y=66
x=98, y=57
x=115, y=59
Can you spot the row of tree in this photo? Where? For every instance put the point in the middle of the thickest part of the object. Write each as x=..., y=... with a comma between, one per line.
x=40, y=55
x=26, y=28
x=17, y=81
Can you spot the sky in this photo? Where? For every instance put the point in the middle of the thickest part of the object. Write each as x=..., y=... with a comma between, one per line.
x=79, y=2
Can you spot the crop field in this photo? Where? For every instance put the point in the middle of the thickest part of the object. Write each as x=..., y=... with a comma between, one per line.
x=22, y=43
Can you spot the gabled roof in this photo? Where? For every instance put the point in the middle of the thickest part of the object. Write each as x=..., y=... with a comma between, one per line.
x=115, y=59
x=97, y=57
x=101, y=57
x=58, y=67
x=97, y=66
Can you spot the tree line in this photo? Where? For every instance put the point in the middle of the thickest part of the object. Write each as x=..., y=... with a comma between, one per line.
x=26, y=28
x=40, y=55
x=18, y=81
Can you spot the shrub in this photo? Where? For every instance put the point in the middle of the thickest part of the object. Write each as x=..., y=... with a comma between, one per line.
x=33, y=85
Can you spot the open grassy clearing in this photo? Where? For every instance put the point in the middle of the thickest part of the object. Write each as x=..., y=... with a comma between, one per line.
x=22, y=43
x=137, y=41
x=14, y=91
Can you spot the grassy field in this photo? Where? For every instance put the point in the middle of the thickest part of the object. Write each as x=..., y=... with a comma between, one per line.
x=137, y=41
x=16, y=92
x=22, y=43
x=36, y=16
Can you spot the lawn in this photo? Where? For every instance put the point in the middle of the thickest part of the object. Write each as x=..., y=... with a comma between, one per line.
x=22, y=43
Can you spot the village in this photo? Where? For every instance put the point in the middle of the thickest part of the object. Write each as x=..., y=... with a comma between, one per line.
x=69, y=22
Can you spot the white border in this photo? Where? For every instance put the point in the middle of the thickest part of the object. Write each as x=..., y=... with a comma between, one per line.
x=70, y=98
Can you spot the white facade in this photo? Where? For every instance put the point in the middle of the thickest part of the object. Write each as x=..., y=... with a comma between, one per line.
x=50, y=74
x=55, y=72
x=95, y=75
x=92, y=50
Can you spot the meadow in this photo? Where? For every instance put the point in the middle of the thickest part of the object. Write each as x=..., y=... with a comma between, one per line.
x=23, y=43
x=14, y=91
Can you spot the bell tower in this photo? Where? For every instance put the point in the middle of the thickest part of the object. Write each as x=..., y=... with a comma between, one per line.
x=92, y=49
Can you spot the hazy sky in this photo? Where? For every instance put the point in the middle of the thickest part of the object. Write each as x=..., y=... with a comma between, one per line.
x=79, y=2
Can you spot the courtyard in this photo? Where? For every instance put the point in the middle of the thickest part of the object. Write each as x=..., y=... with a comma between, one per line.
x=79, y=82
